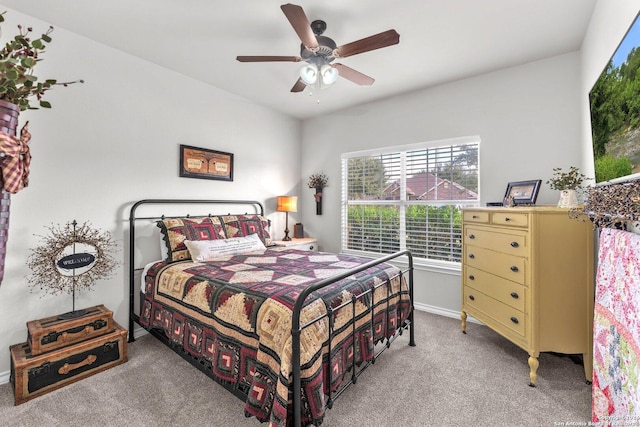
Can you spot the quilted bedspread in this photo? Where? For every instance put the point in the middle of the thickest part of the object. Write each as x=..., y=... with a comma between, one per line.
x=235, y=314
x=616, y=333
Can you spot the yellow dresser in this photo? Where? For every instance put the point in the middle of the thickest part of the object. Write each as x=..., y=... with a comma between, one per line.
x=528, y=274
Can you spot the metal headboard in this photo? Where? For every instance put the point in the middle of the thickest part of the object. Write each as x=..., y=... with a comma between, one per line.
x=164, y=203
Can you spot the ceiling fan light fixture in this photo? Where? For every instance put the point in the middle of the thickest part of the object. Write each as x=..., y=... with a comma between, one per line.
x=309, y=74
x=329, y=74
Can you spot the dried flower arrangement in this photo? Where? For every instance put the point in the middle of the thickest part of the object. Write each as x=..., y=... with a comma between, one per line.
x=318, y=180
x=44, y=259
x=612, y=205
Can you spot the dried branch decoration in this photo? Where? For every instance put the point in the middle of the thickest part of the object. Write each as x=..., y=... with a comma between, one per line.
x=613, y=204
x=43, y=259
x=318, y=180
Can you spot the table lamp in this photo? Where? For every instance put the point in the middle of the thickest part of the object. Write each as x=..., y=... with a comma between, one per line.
x=287, y=204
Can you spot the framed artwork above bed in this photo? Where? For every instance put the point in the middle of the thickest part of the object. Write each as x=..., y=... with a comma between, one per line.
x=205, y=163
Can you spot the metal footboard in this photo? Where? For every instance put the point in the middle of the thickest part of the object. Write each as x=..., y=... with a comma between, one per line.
x=297, y=328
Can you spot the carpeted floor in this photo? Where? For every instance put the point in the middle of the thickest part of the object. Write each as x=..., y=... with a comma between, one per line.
x=449, y=379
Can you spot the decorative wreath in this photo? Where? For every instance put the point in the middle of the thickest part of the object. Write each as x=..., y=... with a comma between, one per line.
x=43, y=259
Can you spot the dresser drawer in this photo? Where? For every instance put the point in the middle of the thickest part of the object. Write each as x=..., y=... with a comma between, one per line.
x=514, y=244
x=508, y=317
x=476, y=216
x=512, y=219
x=510, y=267
x=506, y=291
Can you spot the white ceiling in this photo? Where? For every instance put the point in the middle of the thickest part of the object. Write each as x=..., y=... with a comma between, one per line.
x=440, y=40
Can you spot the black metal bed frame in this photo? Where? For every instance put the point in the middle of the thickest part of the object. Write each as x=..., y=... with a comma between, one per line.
x=296, y=329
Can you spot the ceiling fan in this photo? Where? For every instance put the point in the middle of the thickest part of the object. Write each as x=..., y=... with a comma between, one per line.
x=319, y=51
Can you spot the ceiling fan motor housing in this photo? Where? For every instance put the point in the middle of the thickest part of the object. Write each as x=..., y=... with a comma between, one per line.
x=322, y=54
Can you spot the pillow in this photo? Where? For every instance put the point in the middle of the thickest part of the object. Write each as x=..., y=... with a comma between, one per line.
x=244, y=225
x=205, y=250
x=176, y=230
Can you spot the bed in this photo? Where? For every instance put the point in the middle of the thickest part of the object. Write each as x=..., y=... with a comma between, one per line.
x=286, y=330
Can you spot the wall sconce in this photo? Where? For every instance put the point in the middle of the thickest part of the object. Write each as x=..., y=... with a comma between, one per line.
x=287, y=204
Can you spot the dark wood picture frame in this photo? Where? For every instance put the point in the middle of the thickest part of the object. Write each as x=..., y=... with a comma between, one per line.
x=523, y=192
x=204, y=163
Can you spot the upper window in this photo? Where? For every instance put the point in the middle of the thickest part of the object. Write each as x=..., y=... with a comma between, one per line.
x=409, y=197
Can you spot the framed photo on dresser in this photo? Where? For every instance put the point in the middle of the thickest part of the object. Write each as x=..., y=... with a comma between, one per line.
x=523, y=192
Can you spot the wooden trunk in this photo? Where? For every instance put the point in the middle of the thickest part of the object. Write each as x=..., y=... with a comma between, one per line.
x=60, y=331
x=35, y=375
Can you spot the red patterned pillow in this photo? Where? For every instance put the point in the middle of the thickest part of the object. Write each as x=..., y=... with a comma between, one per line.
x=244, y=225
x=176, y=230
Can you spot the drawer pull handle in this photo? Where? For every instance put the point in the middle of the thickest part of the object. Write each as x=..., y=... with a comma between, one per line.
x=472, y=277
x=66, y=368
x=515, y=295
x=514, y=269
x=472, y=256
x=507, y=219
x=311, y=247
x=471, y=236
x=474, y=216
x=515, y=320
x=514, y=244
x=472, y=298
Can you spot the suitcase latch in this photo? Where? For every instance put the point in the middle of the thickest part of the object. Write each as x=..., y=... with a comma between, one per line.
x=110, y=346
x=40, y=370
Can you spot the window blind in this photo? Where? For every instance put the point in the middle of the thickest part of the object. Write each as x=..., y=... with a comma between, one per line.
x=410, y=198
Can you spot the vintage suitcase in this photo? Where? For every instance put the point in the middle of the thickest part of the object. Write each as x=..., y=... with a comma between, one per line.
x=60, y=331
x=35, y=375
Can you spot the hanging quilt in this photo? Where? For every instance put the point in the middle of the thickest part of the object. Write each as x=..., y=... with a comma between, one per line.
x=616, y=332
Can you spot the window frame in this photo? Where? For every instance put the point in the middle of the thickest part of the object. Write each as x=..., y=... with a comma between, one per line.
x=442, y=266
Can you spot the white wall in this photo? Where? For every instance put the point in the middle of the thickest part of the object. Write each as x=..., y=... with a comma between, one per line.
x=114, y=140
x=527, y=117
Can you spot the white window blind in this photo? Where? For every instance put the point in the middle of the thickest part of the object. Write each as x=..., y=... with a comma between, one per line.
x=410, y=197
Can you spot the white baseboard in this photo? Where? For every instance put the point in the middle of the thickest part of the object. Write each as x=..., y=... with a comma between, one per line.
x=443, y=312
x=139, y=331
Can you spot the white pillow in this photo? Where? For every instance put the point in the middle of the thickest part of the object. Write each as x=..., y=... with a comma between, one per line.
x=205, y=250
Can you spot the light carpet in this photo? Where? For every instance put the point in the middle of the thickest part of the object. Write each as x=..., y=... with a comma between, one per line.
x=448, y=379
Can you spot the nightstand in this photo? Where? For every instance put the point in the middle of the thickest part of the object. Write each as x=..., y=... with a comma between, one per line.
x=303, y=244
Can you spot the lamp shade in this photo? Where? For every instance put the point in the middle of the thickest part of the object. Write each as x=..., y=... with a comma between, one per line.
x=309, y=74
x=287, y=204
x=329, y=74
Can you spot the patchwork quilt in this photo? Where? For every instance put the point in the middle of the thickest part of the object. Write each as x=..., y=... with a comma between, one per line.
x=234, y=314
x=616, y=331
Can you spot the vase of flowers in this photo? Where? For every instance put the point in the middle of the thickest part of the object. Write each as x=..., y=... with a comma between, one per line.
x=568, y=183
x=20, y=90
x=318, y=181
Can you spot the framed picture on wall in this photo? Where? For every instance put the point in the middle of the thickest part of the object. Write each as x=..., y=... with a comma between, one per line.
x=205, y=164
x=523, y=192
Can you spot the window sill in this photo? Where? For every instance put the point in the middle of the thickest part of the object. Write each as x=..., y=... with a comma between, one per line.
x=441, y=267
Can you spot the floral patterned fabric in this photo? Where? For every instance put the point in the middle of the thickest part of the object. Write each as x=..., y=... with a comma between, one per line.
x=616, y=333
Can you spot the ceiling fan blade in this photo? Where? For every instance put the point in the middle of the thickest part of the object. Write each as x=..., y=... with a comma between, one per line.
x=300, y=23
x=377, y=41
x=268, y=58
x=355, y=76
x=299, y=86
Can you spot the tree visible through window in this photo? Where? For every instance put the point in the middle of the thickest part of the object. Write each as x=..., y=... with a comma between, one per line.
x=410, y=198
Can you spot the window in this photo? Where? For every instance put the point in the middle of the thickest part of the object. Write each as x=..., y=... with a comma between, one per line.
x=409, y=197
